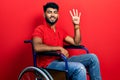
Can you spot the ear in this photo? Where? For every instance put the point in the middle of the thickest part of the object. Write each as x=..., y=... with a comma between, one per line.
x=58, y=15
x=44, y=15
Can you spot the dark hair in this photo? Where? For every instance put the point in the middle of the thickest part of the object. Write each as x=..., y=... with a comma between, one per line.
x=50, y=5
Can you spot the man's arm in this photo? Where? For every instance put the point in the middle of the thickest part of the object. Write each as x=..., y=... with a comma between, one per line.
x=40, y=47
x=76, y=21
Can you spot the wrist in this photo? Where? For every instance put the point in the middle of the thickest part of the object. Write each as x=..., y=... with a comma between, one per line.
x=76, y=24
x=59, y=48
x=76, y=27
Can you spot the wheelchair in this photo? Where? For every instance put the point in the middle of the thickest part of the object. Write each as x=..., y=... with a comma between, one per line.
x=39, y=73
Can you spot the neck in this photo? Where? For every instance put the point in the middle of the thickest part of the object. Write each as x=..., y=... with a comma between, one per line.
x=53, y=27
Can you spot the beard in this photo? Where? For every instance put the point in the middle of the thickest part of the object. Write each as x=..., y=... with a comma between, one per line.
x=51, y=22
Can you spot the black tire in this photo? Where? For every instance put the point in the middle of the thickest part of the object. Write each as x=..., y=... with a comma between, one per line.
x=34, y=73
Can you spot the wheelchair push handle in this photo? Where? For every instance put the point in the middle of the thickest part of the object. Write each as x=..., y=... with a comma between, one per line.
x=27, y=41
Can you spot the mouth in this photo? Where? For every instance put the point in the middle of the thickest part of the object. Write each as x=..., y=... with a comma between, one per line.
x=52, y=18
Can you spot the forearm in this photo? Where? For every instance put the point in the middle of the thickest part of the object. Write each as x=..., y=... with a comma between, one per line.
x=77, y=35
x=43, y=47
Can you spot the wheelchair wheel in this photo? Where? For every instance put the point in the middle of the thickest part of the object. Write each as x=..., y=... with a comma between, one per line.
x=34, y=73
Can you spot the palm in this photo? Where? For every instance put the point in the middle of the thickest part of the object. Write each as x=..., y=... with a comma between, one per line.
x=76, y=20
x=75, y=16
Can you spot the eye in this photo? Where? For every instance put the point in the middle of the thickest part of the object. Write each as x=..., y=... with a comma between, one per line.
x=56, y=12
x=49, y=12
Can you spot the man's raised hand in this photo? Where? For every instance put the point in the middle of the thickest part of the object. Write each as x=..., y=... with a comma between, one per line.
x=75, y=16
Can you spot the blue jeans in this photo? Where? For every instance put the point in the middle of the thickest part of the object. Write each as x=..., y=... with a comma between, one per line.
x=77, y=67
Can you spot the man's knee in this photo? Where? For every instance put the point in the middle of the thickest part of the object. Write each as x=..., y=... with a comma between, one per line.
x=78, y=68
x=81, y=67
x=94, y=58
x=78, y=71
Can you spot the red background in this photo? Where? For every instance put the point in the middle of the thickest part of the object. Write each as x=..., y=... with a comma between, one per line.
x=100, y=27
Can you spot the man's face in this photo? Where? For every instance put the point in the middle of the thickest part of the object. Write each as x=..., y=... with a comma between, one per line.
x=51, y=15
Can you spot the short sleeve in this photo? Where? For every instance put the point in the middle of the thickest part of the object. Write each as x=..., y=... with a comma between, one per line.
x=38, y=32
x=64, y=35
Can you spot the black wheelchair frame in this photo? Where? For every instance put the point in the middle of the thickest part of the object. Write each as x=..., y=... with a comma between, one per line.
x=39, y=72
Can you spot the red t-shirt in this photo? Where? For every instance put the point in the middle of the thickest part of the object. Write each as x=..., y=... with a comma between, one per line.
x=51, y=38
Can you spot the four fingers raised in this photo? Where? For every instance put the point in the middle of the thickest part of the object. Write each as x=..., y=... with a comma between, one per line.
x=75, y=13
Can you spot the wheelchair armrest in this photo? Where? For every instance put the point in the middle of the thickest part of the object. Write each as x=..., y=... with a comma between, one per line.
x=49, y=53
x=76, y=47
x=73, y=47
x=53, y=53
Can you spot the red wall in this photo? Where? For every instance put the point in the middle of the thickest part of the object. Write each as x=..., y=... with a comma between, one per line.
x=100, y=27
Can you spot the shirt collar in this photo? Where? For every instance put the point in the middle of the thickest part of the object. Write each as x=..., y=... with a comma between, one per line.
x=47, y=25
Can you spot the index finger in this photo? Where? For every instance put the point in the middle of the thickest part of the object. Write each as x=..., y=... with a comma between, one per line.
x=71, y=13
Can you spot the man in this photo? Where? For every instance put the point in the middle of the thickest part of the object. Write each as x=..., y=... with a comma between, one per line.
x=48, y=37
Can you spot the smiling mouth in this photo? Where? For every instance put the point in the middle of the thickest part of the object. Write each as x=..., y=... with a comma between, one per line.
x=52, y=19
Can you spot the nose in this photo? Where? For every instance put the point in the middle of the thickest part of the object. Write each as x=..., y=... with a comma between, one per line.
x=52, y=14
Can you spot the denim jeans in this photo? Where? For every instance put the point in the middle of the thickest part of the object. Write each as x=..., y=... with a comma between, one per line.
x=78, y=65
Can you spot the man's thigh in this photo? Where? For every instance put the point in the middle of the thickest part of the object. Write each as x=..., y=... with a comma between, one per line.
x=85, y=59
x=60, y=65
